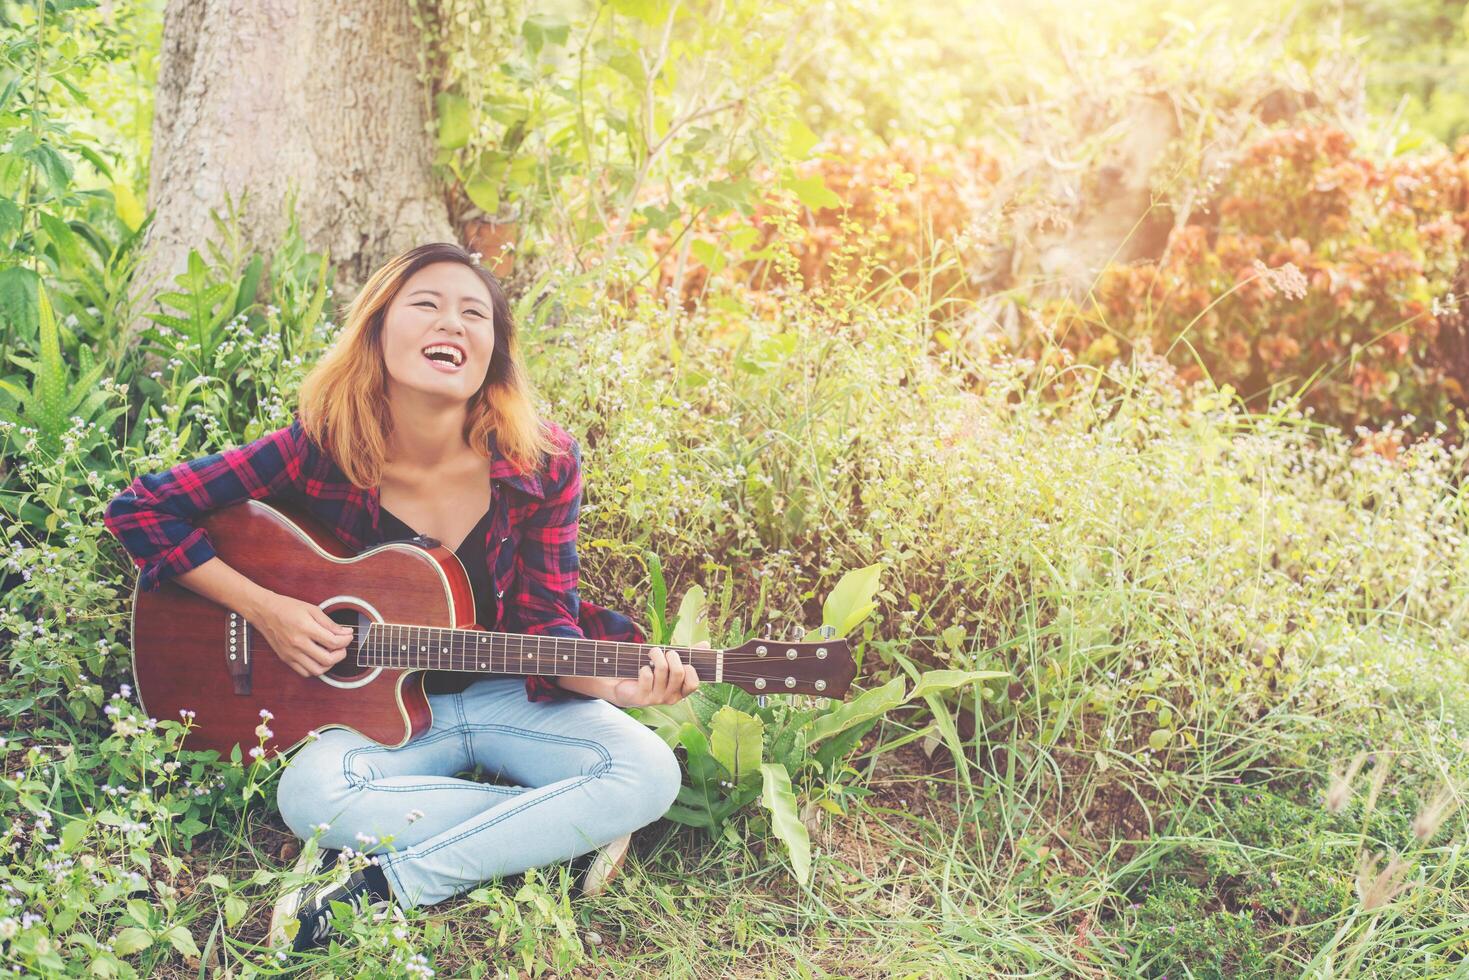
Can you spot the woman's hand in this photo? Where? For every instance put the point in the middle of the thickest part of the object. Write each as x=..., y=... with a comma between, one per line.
x=667, y=680
x=301, y=634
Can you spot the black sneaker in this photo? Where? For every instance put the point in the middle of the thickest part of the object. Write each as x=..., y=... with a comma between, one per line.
x=359, y=890
x=311, y=903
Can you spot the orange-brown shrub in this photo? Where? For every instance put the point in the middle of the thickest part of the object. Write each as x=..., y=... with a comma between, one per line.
x=899, y=202
x=1315, y=259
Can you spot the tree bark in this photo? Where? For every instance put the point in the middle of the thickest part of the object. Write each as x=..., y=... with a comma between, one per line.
x=266, y=97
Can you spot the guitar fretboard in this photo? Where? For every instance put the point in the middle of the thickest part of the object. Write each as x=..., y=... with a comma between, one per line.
x=482, y=651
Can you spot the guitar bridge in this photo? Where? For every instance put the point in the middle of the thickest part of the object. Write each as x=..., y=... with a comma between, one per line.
x=239, y=654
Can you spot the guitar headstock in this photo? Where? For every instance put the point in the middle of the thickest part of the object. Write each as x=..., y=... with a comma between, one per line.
x=824, y=668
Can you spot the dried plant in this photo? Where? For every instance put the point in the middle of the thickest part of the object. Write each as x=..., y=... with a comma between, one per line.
x=1433, y=814
x=1376, y=888
x=1340, y=790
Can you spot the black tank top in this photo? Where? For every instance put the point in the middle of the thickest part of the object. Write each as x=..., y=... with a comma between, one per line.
x=471, y=554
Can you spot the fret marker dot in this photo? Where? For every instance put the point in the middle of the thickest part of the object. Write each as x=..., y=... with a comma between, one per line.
x=565, y=657
x=443, y=649
x=403, y=647
x=604, y=660
x=482, y=665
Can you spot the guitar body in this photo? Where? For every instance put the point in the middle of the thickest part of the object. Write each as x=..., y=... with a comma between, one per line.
x=182, y=641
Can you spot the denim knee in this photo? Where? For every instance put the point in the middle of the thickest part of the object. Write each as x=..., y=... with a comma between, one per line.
x=312, y=782
x=655, y=774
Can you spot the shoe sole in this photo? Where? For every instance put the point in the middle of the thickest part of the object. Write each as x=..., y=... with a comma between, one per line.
x=289, y=904
x=605, y=866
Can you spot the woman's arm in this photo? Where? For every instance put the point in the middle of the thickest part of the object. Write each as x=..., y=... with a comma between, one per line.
x=154, y=517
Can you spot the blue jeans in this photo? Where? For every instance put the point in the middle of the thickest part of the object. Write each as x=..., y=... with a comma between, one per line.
x=585, y=773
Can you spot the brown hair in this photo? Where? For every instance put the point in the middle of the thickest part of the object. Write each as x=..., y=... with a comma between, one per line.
x=343, y=400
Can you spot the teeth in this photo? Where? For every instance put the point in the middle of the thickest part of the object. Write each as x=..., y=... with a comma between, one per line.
x=445, y=348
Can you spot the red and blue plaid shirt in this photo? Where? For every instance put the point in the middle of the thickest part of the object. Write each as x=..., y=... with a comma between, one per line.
x=530, y=546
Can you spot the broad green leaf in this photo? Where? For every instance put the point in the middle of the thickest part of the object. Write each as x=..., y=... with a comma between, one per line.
x=72, y=833
x=690, y=627
x=868, y=704
x=18, y=304
x=61, y=235
x=49, y=408
x=540, y=29
x=851, y=601
x=453, y=113
x=129, y=208
x=235, y=908
x=182, y=940
x=812, y=192
x=785, y=820
x=139, y=912
x=736, y=742
x=485, y=194
x=131, y=940
x=937, y=681
x=10, y=218
x=648, y=11
x=708, y=254
x=800, y=141
x=1159, y=739
x=667, y=719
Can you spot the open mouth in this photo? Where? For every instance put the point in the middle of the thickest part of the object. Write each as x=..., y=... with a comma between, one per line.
x=445, y=357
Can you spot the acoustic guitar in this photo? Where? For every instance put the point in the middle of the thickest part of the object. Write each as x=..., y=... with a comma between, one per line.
x=410, y=608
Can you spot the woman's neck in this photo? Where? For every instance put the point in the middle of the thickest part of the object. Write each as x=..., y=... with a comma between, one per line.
x=427, y=434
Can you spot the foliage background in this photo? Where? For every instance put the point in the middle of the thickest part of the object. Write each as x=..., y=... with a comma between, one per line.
x=1114, y=349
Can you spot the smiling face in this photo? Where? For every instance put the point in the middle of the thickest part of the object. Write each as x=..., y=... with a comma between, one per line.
x=439, y=333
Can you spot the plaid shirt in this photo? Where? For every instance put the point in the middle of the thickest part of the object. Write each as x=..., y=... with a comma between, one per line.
x=530, y=547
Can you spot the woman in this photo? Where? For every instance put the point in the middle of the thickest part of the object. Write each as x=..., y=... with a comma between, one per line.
x=420, y=421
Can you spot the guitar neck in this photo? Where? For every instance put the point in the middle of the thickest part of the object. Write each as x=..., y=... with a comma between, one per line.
x=480, y=651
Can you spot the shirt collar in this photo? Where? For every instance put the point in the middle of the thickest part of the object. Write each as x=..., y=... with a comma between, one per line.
x=503, y=470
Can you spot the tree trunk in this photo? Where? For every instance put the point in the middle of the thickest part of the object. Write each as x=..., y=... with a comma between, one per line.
x=273, y=96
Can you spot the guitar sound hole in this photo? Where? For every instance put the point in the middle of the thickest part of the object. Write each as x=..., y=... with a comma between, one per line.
x=346, y=668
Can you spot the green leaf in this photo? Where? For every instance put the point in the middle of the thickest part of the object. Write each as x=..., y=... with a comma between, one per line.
x=666, y=719
x=485, y=194
x=131, y=940
x=689, y=628
x=812, y=192
x=18, y=305
x=652, y=12
x=234, y=909
x=129, y=209
x=61, y=235
x=778, y=798
x=453, y=113
x=182, y=940
x=541, y=29
x=708, y=254
x=851, y=601
x=49, y=407
x=737, y=741
x=869, y=704
x=72, y=833
x=936, y=681
x=139, y=912
x=1159, y=739
x=10, y=218
x=799, y=141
